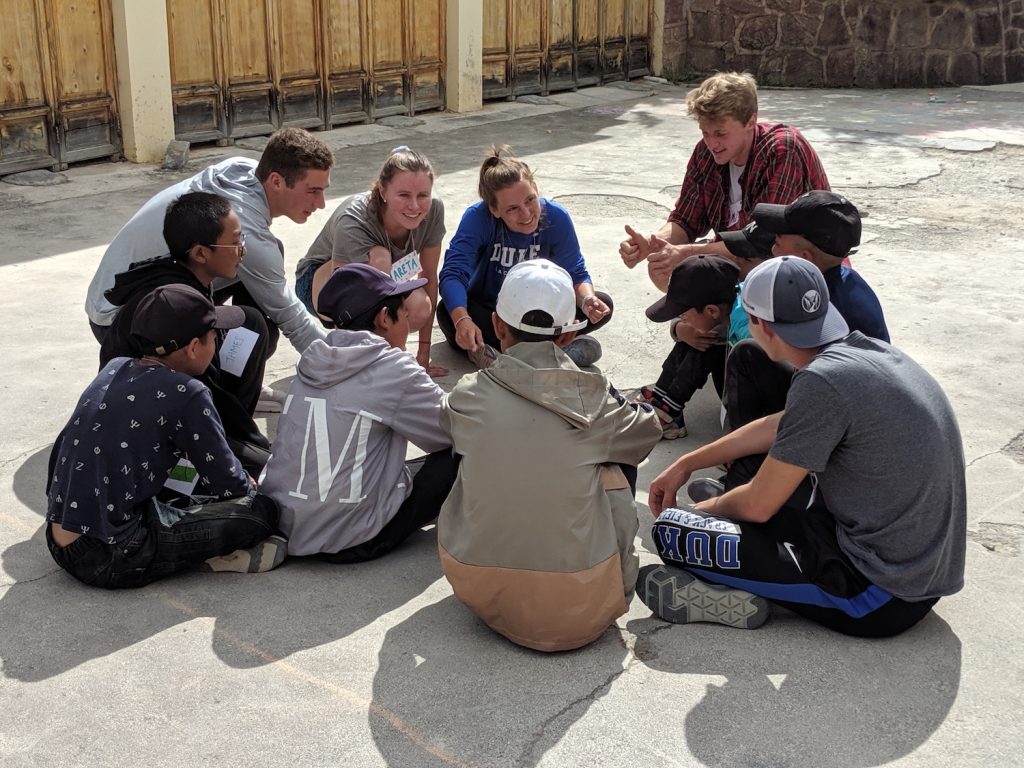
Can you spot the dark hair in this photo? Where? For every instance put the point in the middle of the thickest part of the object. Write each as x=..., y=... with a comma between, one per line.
x=401, y=159
x=364, y=322
x=195, y=218
x=291, y=152
x=498, y=172
x=539, y=318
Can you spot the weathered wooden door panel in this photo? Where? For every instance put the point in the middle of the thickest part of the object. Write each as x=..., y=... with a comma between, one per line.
x=539, y=46
x=639, y=41
x=529, y=44
x=387, y=63
x=252, y=97
x=346, y=33
x=27, y=139
x=427, y=40
x=58, y=100
x=298, y=44
x=82, y=41
x=193, y=30
x=561, y=60
x=497, y=45
x=588, y=42
x=311, y=63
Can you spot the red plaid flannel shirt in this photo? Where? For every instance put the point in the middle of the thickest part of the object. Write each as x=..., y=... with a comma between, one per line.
x=782, y=166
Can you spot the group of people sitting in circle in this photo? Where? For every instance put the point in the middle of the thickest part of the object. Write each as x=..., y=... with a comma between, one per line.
x=840, y=490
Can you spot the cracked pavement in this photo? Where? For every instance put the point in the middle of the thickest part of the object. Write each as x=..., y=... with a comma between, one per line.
x=378, y=664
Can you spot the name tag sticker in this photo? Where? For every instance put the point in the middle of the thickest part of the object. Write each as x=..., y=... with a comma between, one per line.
x=406, y=268
x=183, y=478
x=234, y=352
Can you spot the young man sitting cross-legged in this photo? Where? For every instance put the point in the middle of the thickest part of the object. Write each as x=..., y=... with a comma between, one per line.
x=856, y=519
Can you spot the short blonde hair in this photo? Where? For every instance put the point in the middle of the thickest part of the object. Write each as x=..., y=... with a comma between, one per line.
x=724, y=94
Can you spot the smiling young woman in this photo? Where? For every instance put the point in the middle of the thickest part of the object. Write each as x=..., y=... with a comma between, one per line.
x=511, y=223
x=397, y=226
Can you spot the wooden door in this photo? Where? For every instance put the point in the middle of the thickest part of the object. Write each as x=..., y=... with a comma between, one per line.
x=539, y=46
x=244, y=67
x=58, y=100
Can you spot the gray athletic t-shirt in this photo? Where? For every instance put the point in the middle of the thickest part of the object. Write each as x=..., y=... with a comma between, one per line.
x=353, y=230
x=881, y=437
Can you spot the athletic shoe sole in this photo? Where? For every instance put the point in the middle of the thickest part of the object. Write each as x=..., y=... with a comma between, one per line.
x=680, y=597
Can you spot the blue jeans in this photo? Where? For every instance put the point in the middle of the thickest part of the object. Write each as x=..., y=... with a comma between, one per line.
x=168, y=539
x=304, y=287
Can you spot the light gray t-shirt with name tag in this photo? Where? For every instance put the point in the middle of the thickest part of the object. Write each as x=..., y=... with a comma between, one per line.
x=354, y=229
x=881, y=436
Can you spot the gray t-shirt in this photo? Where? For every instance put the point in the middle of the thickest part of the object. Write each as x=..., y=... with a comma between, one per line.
x=353, y=230
x=880, y=435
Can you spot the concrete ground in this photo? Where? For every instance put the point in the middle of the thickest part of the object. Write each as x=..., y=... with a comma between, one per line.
x=378, y=664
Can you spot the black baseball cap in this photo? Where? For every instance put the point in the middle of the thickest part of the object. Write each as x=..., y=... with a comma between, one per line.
x=751, y=242
x=355, y=289
x=828, y=220
x=169, y=317
x=697, y=282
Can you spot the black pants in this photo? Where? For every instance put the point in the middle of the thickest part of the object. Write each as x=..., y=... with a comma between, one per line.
x=430, y=487
x=686, y=370
x=480, y=312
x=755, y=385
x=168, y=539
x=794, y=560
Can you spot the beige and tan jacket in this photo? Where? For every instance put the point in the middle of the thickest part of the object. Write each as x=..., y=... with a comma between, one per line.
x=537, y=534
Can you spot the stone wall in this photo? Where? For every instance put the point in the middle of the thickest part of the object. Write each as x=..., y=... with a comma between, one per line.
x=866, y=43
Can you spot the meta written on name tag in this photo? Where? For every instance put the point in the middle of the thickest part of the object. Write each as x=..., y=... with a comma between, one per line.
x=406, y=268
x=236, y=349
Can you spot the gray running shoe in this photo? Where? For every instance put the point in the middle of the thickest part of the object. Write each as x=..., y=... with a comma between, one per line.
x=680, y=597
x=483, y=357
x=704, y=488
x=583, y=350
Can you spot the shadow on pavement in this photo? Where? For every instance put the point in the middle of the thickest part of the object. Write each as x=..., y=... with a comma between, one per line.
x=450, y=692
x=50, y=623
x=798, y=694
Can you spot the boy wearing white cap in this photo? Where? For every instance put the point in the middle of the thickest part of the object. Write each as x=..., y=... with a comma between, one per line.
x=880, y=536
x=536, y=536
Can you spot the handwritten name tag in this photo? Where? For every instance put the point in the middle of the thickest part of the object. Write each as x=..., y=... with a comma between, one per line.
x=406, y=268
x=236, y=348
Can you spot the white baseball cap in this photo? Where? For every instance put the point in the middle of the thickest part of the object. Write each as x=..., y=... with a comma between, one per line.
x=539, y=285
x=790, y=293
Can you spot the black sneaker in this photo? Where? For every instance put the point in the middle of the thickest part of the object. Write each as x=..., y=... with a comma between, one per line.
x=678, y=596
x=704, y=488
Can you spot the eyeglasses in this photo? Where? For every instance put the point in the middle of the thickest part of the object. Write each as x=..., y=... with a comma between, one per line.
x=240, y=246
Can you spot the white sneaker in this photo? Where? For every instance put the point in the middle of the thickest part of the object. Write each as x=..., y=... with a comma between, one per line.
x=271, y=401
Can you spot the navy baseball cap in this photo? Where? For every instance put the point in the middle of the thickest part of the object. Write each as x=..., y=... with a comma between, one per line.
x=355, y=289
x=790, y=293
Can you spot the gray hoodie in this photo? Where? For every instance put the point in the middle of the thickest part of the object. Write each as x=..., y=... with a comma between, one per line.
x=338, y=464
x=261, y=272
